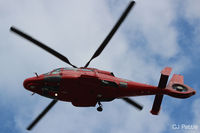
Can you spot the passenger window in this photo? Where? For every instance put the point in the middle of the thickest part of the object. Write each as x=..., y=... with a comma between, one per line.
x=109, y=83
x=123, y=84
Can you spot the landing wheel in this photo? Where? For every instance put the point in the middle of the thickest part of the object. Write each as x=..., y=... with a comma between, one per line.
x=100, y=109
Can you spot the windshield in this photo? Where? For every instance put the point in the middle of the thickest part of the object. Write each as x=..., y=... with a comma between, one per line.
x=47, y=73
x=55, y=71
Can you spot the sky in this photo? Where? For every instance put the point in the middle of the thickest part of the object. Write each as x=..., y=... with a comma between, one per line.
x=155, y=34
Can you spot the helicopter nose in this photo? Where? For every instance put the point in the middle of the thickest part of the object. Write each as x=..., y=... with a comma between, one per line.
x=31, y=83
x=27, y=82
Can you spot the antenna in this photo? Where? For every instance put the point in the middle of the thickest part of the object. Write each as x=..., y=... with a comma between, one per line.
x=36, y=74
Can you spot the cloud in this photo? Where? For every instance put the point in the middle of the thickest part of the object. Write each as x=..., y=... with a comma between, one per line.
x=153, y=21
x=145, y=43
x=195, y=126
x=191, y=15
x=191, y=9
x=196, y=113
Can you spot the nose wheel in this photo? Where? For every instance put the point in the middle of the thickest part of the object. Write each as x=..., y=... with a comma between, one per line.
x=100, y=109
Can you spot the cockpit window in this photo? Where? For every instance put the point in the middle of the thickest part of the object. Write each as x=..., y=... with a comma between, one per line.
x=47, y=74
x=56, y=71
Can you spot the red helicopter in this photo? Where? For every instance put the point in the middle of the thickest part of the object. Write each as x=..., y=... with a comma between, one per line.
x=85, y=87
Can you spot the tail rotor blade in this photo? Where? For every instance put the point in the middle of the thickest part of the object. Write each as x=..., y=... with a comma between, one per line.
x=41, y=45
x=112, y=32
x=161, y=85
x=41, y=115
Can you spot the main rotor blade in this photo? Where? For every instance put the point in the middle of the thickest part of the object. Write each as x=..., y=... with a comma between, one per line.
x=41, y=115
x=112, y=32
x=134, y=103
x=41, y=45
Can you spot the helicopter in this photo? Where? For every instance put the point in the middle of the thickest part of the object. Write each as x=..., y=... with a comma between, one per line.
x=88, y=87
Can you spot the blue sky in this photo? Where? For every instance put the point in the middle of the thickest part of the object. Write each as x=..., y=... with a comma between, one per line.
x=156, y=34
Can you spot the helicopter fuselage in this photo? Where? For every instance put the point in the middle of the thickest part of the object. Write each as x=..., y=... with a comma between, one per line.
x=86, y=86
